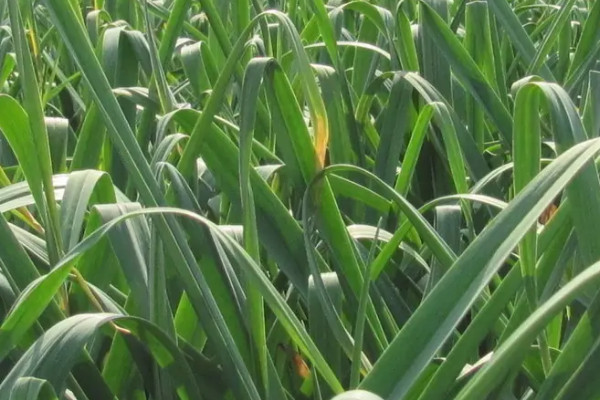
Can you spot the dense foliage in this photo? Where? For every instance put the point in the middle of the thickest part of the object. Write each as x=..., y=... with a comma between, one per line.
x=270, y=199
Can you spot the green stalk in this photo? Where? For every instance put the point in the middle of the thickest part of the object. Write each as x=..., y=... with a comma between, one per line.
x=33, y=106
x=175, y=22
x=159, y=80
x=359, y=329
x=526, y=156
x=250, y=86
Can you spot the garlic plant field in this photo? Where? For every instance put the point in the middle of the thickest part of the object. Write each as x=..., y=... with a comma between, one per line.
x=299, y=199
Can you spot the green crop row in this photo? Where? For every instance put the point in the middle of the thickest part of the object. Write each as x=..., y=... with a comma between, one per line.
x=299, y=199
